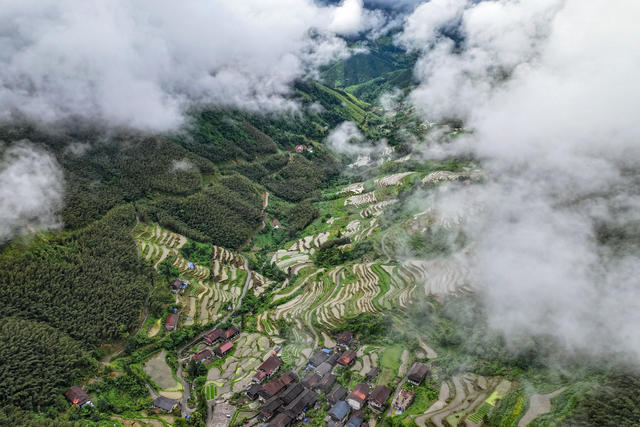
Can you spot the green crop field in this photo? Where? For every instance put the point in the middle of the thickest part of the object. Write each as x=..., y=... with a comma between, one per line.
x=210, y=391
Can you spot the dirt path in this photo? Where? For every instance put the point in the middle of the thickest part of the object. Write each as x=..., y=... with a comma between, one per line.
x=538, y=404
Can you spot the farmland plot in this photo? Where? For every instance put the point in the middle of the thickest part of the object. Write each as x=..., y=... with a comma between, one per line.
x=353, y=189
x=377, y=208
x=392, y=180
x=212, y=288
x=442, y=276
x=361, y=199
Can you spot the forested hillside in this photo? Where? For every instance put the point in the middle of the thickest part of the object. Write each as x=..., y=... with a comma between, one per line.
x=67, y=292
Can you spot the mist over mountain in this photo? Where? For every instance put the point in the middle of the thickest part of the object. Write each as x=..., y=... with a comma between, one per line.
x=548, y=90
x=258, y=212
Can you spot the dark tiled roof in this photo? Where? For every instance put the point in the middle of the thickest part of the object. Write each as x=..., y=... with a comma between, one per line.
x=214, y=335
x=418, y=372
x=380, y=395
x=324, y=368
x=347, y=357
x=164, y=403
x=338, y=393
x=252, y=392
x=269, y=409
x=76, y=395
x=344, y=338
x=282, y=420
x=318, y=358
x=327, y=382
x=231, y=332
x=355, y=421
x=292, y=393
x=270, y=365
x=277, y=385
x=311, y=380
x=303, y=402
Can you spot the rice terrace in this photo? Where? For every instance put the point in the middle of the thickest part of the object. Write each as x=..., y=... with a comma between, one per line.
x=320, y=213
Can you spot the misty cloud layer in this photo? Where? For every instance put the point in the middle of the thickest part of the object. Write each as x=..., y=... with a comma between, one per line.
x=142, y=64
x=31, y=189
x=551, y=93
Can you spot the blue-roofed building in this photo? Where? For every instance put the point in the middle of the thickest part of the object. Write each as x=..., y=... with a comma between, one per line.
x=355, y=421
x=340, y=411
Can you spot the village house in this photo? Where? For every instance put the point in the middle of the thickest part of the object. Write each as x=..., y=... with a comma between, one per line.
x=165, y=404
x=282, y=420
x=275, y=386
x=178, y=285
x=358, y=396
x=223, y=349
x=301, y=403
x=318, y=358
x=253, y=390
x=356, y=420
x=337, y=393
x=214, y=336
x=417, y=373
x=372, y=375
x=77, y=396
x=333, y=359
x=347, y=358
x=292, y=393
x=340, y=411
x=311, y=380
x=231, y=333
x=379, y=397
x=327, y=382
x=202, y=356
x=268, y=410
x=343, y=340
x=324, y=369
x=403, y=400
x=267, y=369
x=171, y=322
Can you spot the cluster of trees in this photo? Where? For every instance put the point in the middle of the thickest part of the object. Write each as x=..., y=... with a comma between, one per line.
x=116, y=171
x=36, y=361
x=196, y=252
x=613, y=403
x=330, y=254
x=367, y=327
x=90, y=284
x=218, y=214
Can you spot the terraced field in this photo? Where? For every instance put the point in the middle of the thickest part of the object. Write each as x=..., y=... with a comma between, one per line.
x=211, y=288
x=392, y=180
x=473, y=396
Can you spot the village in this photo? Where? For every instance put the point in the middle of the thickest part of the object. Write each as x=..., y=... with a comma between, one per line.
x=275, y=396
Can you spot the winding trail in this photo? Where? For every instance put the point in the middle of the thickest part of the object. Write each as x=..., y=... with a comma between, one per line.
x=538, y=404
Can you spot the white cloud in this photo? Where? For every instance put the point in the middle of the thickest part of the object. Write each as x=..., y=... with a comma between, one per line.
x=550, y=91
x=31, y=189
x=142, y=64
